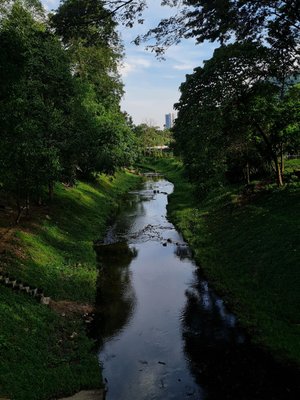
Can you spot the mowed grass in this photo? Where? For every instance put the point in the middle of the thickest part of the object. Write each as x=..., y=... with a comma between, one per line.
x=249, y=248
x=40, y=356
x=59, y=255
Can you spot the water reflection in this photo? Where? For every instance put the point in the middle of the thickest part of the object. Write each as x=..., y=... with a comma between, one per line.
x=222, y=359
x=183, y=252
x=115, y=299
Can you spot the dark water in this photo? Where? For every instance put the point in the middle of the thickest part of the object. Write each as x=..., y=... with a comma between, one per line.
x=164, y=333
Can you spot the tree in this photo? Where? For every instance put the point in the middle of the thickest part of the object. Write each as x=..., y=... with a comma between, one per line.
x=34, y=105
x=88, y=32
x=221, y=20
x=232, y=101
x=59, y=97
x=149, y=136
x=87, y=21
x=127, y=11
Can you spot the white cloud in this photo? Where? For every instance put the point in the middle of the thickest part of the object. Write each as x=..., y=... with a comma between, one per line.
x=133, y=64
x=125, y=69
x=184, y=67
x=142, y=62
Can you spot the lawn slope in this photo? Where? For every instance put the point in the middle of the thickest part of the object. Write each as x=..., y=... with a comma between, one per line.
x=45, y=353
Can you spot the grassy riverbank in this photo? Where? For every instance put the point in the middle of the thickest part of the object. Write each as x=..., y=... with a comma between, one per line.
x=249, y=248
x=46, y=353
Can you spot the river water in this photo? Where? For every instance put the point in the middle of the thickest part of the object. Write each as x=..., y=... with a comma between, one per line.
x=163, y=332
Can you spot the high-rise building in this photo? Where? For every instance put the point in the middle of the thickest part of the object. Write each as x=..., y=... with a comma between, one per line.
x=168, y=123
x=169, y=118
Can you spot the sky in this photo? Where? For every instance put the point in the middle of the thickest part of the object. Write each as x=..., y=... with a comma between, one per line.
x=152, y=86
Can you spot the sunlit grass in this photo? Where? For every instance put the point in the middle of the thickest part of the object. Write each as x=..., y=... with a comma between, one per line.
x=59, y=251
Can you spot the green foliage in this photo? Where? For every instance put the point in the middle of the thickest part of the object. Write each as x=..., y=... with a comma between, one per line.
x=88, y=31
x=273, y=22
x=86, y=21
x=236, y=116
x=59, y=119
x=59, y=106
x=33, y=107
x=233, y=118
x=150, y=136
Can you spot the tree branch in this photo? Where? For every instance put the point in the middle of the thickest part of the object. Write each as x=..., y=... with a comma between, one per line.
x=124, y=4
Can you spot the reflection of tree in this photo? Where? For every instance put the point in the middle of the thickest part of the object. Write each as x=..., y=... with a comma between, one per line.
x=224, y=364
x=183, y=252
x=115, y=296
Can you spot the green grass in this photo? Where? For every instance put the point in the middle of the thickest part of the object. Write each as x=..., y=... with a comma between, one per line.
x=59, y=252
x=292, y=163
x=290, y=166
x=38, y=359
x=250, y=251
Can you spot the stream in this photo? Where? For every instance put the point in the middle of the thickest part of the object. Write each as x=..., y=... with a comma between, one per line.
x=163, y=332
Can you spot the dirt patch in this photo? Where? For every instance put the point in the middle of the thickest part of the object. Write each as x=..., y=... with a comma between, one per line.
x=87, y=395
x=71, y=307
x=10, y=245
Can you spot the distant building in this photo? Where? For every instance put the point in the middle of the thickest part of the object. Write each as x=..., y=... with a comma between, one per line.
x=169, y=121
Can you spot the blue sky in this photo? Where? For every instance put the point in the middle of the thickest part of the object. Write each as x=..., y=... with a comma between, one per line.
x=152, y=86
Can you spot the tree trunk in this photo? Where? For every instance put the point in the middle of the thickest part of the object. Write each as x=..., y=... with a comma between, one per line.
x=272, y=154
x=248, y=173
x=27, y=205
x=50, y=190
x=278, y=173
x=281, y=160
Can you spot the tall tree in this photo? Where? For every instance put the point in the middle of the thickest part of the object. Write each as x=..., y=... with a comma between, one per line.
x=35, y=104
x=88, y=32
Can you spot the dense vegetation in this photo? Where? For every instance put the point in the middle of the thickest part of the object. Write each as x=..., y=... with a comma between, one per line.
x=60, y=117
x=236, y=121
x=238, y=115
x=150, y=137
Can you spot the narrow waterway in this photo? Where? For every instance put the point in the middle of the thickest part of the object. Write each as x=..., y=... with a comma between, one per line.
x=163, y=333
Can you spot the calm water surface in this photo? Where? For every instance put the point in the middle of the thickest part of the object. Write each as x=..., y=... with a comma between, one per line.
x=164, y=333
